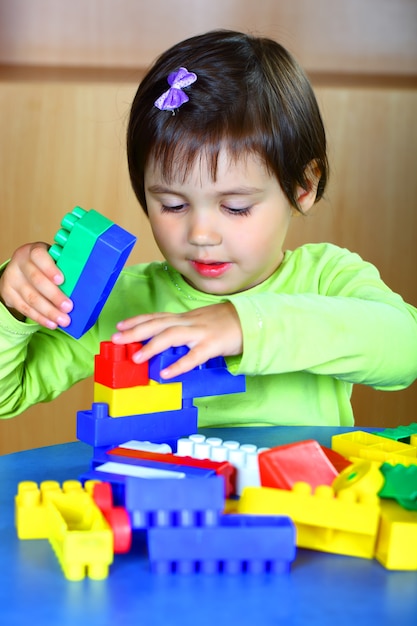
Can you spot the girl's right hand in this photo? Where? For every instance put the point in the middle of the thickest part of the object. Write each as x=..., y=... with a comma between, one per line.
x=29, y=287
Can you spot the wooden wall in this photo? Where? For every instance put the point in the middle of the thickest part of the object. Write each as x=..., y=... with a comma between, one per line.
x=69, y=72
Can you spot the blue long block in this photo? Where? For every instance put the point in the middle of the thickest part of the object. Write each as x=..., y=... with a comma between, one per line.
x=210, y=379
x=96, y=428
x=174, y=503
x=240, y=543
x=98, y=277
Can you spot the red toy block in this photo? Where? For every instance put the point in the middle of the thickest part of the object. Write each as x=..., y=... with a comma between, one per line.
x=114, y=367
x=305, y=461
x=222, y=468
x=116, y=516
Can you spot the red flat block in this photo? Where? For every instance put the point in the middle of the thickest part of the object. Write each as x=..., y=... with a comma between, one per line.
x=114, y=367
x=305, y=461
x=222, y=468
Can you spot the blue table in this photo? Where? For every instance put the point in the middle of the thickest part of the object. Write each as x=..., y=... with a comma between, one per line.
x=321, y=588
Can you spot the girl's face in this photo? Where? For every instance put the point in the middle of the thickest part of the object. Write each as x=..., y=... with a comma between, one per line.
x=223, y=236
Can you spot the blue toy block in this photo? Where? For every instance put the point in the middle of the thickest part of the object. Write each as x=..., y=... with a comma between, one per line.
x=240, y=543
x=210, y=379
x=97, y=429
x=165, y=502
x=98, y=277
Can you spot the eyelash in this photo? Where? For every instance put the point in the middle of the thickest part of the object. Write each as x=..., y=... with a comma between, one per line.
x=236, y=212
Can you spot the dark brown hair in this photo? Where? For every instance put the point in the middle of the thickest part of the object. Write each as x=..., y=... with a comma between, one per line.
x=250, y=96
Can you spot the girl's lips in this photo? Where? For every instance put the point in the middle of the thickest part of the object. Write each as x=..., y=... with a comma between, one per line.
x=210, y=269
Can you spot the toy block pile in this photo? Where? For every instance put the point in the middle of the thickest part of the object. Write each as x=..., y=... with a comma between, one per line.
x=91, y=251
x=131, y=401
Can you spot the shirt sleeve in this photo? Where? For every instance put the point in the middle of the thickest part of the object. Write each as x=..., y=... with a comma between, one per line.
x=343, y=322
x=36, y=364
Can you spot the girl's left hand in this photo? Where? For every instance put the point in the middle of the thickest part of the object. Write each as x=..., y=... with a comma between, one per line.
x=208, y=332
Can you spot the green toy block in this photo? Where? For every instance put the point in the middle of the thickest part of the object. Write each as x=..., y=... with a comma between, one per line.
x=74, y=243
x=400, y=484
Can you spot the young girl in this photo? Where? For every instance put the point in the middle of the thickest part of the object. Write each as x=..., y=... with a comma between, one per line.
x=225, y=142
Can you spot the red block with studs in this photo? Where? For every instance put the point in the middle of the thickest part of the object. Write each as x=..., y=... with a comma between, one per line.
x=114, y=367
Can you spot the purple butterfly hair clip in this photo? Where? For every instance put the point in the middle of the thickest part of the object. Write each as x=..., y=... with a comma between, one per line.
x=175, y=96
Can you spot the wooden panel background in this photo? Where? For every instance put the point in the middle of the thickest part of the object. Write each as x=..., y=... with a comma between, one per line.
x=62, y=133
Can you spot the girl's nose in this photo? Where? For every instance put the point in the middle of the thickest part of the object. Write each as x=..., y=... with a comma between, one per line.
x=203, y=231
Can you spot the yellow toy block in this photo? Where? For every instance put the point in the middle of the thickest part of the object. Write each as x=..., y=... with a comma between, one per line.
x=363, y=445
x=69, y=518
x=396, y=546
x=152, y=398
x=341, y=523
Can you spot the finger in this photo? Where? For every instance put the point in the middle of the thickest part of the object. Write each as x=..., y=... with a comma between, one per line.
x=40, y=257
x=195, y=357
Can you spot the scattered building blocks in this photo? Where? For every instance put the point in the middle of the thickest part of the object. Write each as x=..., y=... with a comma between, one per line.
x=340, y=523
x=363, y=445
x=114, y=367
x=96, y=428
x=90, y=250
x=396, y=547
x=283, y=466
x=238, y=544
x=210, y=379
x=151, y=398
x=400, y=484
x=225, y=469
x=74, y=526
x=243, y=457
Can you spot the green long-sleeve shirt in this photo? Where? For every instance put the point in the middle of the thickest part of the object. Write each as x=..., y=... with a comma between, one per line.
x=322, y=322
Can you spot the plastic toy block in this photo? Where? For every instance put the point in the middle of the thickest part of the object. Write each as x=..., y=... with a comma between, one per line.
x=363, y=478
x=238, y=544
x=404, y=434
x=210, y=379
x=396, y=547
x=74, y=243
x=283, y=466
x=117, y=517
x=224, y=468
x=243, y=457
x=114, y=367
x=75, y=527
x=363, y=445
x=98, y=277
x=97, y=428
x=166, y=502
x=400, y=484
x=340, y=523
x=151, y=398
x=146, y=446
x=150, y=469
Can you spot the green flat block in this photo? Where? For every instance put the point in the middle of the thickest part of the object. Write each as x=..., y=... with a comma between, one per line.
x=74, y=243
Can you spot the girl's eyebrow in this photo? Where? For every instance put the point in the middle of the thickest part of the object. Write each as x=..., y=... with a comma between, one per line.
x=238, y=191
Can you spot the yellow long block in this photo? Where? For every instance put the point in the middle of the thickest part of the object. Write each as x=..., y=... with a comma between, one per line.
x=363, y=445
x=342, y=523
x=396, y=547
x=152, y=398
x=71, y=521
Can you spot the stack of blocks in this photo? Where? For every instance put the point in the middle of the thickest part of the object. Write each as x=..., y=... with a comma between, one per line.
x=131, y=401
x=91, y=251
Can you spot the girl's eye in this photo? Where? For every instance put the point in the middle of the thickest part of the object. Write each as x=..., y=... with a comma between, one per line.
x=172, y=209
x=243, y=211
